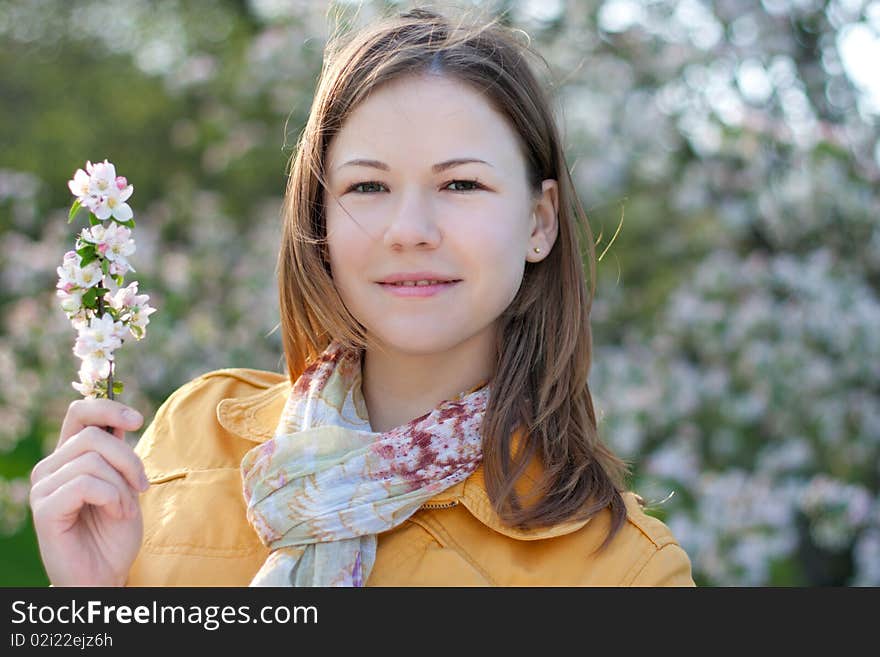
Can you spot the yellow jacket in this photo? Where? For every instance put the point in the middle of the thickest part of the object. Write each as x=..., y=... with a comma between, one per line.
x=196, y=532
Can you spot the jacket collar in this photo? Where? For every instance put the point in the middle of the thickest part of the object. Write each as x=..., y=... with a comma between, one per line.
x=255, y=418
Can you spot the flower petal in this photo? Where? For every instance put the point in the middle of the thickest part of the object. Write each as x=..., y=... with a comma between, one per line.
x=122, y=212
x=101, y=211
x=110, y=170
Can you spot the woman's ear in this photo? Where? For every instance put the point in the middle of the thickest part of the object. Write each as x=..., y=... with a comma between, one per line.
x=544, y=224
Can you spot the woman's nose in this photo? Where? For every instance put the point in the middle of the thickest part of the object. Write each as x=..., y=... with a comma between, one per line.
x=412, y=223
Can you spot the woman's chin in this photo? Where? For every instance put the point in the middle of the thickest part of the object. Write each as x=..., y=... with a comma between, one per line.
x=417, y=339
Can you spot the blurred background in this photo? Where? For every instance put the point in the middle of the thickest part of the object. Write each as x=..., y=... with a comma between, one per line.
x=733, y=143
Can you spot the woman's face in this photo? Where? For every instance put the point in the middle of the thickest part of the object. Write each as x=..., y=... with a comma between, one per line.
x=414, y=209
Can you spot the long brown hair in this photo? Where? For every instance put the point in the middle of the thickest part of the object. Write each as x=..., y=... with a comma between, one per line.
x=539, y=389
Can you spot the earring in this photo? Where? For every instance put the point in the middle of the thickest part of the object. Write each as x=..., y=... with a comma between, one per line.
x=537, y=250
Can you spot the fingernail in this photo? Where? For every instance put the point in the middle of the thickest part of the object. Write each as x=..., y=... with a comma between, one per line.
x=131, y=415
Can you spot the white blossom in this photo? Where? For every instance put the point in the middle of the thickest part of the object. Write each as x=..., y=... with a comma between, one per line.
x=67, y=272
x=89, y=276
x=99, y=339
x=108, y=247
x=91, y=376
x=127, y=300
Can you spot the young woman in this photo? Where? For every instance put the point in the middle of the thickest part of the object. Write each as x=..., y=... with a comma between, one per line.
x=435, y=424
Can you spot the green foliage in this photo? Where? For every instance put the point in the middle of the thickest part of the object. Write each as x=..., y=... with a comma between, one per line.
x=73, y=210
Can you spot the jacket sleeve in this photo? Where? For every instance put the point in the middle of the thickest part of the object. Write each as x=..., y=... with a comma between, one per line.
x=668, y=566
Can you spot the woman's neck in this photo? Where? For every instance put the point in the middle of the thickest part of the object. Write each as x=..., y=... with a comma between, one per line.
x=399, y=387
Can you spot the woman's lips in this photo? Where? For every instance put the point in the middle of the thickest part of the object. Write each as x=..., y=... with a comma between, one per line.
x=417, y=290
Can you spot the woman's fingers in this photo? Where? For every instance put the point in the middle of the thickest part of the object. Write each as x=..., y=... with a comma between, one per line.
x=82, y=489
x=115, y=452
x=88, y=463
x=83, y=413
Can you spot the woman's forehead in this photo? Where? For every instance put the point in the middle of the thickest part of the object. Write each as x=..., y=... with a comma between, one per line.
x=444, y=117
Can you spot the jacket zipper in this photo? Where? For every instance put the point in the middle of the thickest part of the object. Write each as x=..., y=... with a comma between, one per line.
x=448, y=505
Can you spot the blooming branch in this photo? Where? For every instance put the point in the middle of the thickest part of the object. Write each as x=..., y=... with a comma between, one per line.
x=90, y=278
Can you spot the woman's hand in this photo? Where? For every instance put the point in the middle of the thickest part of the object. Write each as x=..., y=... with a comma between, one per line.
x=84, y=497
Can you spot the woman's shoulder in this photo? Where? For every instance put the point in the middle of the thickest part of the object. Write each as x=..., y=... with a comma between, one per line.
x=204, y=423
x=647, y=550
x=234, y=381
x=644, y=552
x=647, y=527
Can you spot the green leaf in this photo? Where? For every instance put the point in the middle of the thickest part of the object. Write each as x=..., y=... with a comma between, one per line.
x=104, y=266
x=89, y=298
x=87, y=253
x=88, y=258
x=118, y=387
x=73, y=210
x=119, y=278
x=93, y=220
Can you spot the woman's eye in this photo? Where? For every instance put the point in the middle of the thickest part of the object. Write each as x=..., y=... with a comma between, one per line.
x=469, y=185
x=371, y=187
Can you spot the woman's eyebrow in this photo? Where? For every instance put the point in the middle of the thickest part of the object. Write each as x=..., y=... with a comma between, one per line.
x=437, y=168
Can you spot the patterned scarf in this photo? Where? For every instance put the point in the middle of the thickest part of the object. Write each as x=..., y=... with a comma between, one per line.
x=325, y=485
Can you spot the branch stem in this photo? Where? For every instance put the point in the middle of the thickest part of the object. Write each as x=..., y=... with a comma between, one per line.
x=110, y=377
